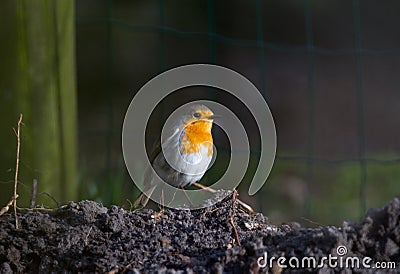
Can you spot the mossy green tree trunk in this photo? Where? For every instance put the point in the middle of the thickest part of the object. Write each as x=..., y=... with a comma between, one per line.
x=37, y=78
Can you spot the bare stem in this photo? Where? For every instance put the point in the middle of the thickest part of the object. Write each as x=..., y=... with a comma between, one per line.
x=231, y=218
x=16, y=170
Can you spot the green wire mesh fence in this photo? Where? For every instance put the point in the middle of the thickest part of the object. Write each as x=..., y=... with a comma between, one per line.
x=118, y=41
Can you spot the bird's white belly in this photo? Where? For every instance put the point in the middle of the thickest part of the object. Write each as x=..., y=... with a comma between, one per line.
x=194, y=163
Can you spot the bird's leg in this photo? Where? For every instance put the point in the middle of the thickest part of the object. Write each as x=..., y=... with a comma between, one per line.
x=161, y=206
x=162, y=200
x=187, y=196
x=240, y=202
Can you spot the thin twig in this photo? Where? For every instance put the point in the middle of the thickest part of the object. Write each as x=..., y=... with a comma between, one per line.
x=248, y=208
x=231, y=220
x=215, y=209
x=130, y=204
x=33, y=194
x=311, y=221
x=25, y=209
x=173, y=198
x=7, y=207
x=87, y=236
x=209, y=189
x=51, y=197
x=16, y=170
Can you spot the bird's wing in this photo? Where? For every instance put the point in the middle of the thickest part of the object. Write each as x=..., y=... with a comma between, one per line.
x=149, y=185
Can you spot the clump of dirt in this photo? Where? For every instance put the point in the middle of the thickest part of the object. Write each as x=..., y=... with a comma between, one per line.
x=87, y=237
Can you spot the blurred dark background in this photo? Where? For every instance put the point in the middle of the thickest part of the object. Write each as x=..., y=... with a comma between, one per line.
x=329, y=71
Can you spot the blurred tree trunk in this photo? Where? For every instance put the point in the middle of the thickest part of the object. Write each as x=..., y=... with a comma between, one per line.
x=37, y=78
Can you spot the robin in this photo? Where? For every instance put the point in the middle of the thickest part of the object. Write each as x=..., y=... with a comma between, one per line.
x=189, y=151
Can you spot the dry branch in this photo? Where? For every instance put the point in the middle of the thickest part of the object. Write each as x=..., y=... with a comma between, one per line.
x=16, y=170
x=231, y=218
x=7, y=207
x=13, y=200
x=248, y=208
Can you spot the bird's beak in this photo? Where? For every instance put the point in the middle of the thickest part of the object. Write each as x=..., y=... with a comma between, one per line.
x=211, y=117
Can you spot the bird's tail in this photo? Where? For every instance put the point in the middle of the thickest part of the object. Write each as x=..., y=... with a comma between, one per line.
x=143, y=198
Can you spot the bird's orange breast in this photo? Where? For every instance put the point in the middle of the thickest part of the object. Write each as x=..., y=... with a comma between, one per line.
x=196, y=134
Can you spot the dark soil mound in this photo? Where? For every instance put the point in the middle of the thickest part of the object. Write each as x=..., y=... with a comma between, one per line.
x=88, y=237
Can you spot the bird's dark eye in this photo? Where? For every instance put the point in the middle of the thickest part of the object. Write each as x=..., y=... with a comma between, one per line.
x=196, y=115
